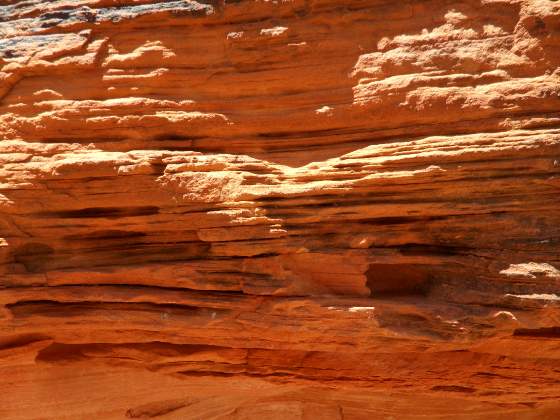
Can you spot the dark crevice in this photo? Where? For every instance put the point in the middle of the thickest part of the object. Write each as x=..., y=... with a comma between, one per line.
x=385, y=220
x=144, y=288
x=276, y=135
x=546, y=332
x=176, y=137
x=389, y=280
x=454, y=388
x=98, y=140
x=107, y=212
x=56, y=309
x=57, y=352
x=425, y=249
x=40, y=258
x=376, y=221
x=106, y=234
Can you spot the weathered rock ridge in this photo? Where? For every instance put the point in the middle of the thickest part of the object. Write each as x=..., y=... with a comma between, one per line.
x=307, y=209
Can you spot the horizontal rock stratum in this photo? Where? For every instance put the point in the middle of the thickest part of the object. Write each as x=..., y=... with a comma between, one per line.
x=291, y=209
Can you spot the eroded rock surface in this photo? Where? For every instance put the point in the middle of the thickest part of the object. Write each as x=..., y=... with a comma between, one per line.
x=307, y=209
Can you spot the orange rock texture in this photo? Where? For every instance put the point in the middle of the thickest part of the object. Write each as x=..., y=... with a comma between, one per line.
x=288, y=209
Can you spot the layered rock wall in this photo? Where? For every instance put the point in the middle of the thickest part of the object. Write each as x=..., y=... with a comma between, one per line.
x=293, y=209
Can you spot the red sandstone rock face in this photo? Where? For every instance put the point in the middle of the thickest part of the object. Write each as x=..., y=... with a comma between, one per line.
x=306, y=209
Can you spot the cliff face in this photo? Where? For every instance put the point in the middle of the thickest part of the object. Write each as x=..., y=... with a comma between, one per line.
x=296, y=209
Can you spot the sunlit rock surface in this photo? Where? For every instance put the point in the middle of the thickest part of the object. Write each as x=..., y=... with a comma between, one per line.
x=308, y=209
